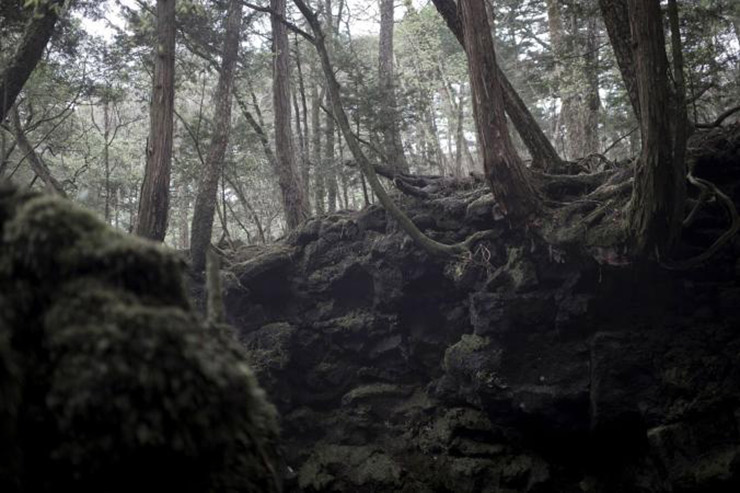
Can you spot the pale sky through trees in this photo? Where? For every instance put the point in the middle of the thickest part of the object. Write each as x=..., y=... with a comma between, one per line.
x=365, y=17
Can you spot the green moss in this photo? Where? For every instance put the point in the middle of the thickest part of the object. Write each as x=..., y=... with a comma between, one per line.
x=125, y=390
x=347, y=468
x=463, y=349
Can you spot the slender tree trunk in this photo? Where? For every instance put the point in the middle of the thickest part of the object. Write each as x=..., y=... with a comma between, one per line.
x=116, y=207
x=248, y=208
x=106, y=151
x=259, y=130
x=460, y=138
x=616, y=19
x=184, y=208
x=154, y=199
x=37, y=164
x=330, y=179
x=30, y=50
x=316, y=148
x=681, y=120
x=392, y=144
x=437, y=153
x=207, y=196
x=295, y=204
x=543, y=153
x=658, y=198
x=305, y=137
x=592, y=102
x=566, y=79
x=504, y=169
x=330, y=176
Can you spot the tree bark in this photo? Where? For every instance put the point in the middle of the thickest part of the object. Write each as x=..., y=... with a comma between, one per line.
x=295, y=205
x=305, y=137
x=543, y=153
x=30, y=50
x=592, y=103
x=566, y=80
x=504, y=169
x=330, y=178
x=576, y=71
x=392, y=144
x=106, y=151
x=155, y=188
x=316, y=148
x=206, y=198
x=617, y=21
x=658, y=198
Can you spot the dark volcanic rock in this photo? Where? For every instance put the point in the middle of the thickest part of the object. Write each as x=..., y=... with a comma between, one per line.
x=523, y=369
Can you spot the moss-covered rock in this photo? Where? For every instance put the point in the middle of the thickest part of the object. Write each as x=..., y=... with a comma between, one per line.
x=108, y=382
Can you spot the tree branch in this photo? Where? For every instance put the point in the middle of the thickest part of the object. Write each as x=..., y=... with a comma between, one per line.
x=283, y=20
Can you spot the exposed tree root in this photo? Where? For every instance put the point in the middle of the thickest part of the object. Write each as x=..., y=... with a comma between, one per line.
x=587, y=211
x=705, y=186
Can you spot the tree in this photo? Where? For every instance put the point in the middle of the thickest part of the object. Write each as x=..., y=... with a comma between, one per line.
x=38, y=31
x=543, y=153
x=388, y=111
x=295, y=203
x=656, y=212
x=504, y=169
x=155, y=188
x=616, y=18
x=206, y=198
x=329, y=166
x=576, y=58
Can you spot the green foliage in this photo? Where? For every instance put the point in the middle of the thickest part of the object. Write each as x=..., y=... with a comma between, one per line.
x=122, y=388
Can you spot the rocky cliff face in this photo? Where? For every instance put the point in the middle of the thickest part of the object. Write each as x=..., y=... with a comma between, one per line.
x=522, y=369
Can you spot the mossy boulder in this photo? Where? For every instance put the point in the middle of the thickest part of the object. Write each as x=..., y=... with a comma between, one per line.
x=108, y=381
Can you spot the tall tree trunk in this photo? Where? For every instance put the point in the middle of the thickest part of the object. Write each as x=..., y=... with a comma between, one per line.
x=206, y=198
x=295, y=205
x=658, y=198
x=543, y=153
x=592, y=103
x=316, y=147
x=392, y=144
x=460, y=137
x=106, y=151
x=567, y=78
x=154, y=199
x=30, y=50
x=616, y=19
x=305, y=137
x=184, y=214
x=330, y=178
x=330, y=171
x=503, y=167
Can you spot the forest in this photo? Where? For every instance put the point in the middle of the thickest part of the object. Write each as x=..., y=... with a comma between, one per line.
x=370, y=245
